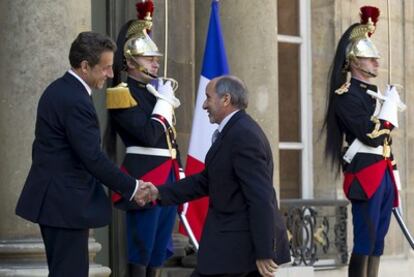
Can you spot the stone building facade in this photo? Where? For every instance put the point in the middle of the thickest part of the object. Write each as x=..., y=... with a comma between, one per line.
x=282, y=49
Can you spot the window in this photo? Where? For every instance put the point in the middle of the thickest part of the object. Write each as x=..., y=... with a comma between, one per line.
x=295, y=109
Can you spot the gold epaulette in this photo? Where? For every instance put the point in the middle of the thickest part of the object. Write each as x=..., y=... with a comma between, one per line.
x=119, y=97
x=343, y=89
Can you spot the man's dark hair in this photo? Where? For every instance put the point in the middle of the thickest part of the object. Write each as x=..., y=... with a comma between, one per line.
x=235, y=88
x=89, y=46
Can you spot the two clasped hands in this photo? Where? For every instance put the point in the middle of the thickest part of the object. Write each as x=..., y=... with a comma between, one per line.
x=146, y=193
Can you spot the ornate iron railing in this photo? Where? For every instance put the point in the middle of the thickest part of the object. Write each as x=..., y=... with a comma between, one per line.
x=317, y=231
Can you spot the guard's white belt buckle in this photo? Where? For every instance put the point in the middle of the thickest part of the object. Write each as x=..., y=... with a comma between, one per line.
x=148, y=151
x=358, y=147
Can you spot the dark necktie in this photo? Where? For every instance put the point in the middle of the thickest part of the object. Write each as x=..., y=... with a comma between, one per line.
x=215, y=136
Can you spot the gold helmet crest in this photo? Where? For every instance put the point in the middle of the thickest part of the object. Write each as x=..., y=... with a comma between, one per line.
x=361, y=46
x=138, y=42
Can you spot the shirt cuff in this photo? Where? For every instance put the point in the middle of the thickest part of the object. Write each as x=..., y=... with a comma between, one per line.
x=135, y=190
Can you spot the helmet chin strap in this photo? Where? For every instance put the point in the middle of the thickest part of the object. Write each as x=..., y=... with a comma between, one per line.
x=142, y=69
x=368, y=72
x=371, y=74
x=145, y=71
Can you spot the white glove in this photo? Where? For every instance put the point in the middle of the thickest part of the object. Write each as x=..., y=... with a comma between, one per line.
x=165, y=109
x=166, y=101
x=393, y=93
x=389, y=109
x=382, y=98
x=166, y=92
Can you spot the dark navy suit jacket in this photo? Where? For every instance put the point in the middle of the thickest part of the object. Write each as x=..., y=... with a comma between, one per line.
x=64, y=185
x=243, y=223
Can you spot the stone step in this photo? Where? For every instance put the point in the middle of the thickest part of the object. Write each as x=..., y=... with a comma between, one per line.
x=288, y=271
x=176, y=272
x=42, y=271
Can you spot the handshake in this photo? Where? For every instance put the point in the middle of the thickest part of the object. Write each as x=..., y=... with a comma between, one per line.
x=145, y=193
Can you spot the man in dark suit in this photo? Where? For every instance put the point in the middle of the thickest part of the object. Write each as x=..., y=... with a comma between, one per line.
x=63, y=191
x=244, y=234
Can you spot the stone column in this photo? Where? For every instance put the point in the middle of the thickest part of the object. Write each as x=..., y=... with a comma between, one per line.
x=36, y=36
x=250, y=37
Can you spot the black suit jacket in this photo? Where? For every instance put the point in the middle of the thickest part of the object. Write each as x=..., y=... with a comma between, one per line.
x=243, y=223
x=63, y=188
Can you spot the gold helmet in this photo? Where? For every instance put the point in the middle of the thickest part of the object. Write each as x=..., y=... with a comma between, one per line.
x=138, y=41
x=361, y=46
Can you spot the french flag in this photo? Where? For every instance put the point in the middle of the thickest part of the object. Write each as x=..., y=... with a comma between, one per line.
x=214, y=65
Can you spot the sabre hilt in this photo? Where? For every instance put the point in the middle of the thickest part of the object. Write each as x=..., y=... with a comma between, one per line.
x=174, y=83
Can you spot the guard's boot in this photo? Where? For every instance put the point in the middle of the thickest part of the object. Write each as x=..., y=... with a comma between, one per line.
x=358, y=266
x=373, y=266
x=153, y=272
x=136, y=270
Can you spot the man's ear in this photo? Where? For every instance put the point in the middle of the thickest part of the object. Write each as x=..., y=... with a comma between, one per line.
x=84, y=66
x=227, y=99
x=130, y=64
x=354, y=63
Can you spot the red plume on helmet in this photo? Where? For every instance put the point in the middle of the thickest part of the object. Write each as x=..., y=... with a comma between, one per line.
x=144, y=9
x=369, y=13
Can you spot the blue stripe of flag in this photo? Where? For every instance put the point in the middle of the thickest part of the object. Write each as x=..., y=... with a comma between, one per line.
x=215, y=59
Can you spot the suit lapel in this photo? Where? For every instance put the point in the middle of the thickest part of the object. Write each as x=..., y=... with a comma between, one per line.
x=213, y=149
x=219, y=141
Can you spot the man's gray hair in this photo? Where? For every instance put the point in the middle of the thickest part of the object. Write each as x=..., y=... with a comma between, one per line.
x=235, y=88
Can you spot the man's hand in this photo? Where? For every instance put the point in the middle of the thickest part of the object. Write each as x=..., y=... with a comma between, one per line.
x=146, y=193
x=266, y=267
x=153, y=191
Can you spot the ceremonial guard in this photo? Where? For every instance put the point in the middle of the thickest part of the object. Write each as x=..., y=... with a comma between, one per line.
x=143, y=116
x=359, y=122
